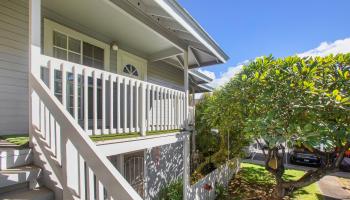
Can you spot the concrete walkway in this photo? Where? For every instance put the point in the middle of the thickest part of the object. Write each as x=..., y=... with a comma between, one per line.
x=332, y=189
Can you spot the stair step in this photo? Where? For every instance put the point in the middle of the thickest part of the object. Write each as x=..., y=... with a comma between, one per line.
x=40, y=193
x=10, y=177
x=14, y=157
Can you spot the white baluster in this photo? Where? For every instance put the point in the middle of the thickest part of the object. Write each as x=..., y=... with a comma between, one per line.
x=143, y=125
x=111, y=103
x=125, y=109
x=58, y=143
x=131, y=114
x=82, y=183
x=161, y=109
x=86, y=101
x=169, y=110
x=148, y=99
x=118, y=104
x=103, y=79
x=136, y=124
x=157, y=109
x=51, y=77
x=153, y=107
x=64, y=86
x=75, y=93
x=90, y=184
x=94, y=101
x=100, y=190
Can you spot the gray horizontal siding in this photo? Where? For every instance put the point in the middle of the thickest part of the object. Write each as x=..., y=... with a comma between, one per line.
x=13, y=66
x=166, y=75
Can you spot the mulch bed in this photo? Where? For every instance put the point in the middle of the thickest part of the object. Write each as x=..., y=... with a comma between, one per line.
x=240, y=189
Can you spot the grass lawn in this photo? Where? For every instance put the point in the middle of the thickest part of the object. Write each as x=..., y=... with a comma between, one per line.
x=107, y=137
x=21, y=140
x=254, y=181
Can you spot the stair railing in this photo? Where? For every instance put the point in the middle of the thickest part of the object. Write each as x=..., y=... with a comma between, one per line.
x=83, y=172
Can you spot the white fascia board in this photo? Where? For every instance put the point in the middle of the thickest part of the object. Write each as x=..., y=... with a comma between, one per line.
x=200, y=76
x=179, y=14
x=206, y=87
x=114, y=147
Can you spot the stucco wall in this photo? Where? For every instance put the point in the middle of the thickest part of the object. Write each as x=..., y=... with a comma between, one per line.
x=163, y=165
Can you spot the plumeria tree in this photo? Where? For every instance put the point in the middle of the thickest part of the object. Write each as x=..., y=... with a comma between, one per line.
x=304, y=100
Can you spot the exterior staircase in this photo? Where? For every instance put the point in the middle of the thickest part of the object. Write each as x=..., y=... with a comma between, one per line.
x=18, y=176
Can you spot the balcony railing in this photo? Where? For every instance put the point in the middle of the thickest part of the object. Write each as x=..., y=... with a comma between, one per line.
x=107, y=103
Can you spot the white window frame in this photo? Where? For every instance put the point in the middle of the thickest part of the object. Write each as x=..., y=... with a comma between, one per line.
x=51, y=26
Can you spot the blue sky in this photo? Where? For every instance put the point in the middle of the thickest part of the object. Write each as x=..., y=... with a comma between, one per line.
x=246, y=29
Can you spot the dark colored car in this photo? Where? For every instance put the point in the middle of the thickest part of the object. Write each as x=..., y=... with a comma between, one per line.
x=304, y=157
x=345, y=165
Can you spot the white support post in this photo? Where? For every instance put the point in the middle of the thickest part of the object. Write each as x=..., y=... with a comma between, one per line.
x=143, y=110
x=186, y=172
x=111, y=103
x=34, y=62
x=186, y=85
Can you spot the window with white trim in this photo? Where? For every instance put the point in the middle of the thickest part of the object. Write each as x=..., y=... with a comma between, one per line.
x=77, y=51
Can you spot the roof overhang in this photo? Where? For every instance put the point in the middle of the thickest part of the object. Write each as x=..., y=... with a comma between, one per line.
x=171, y=16
x=198, y=77
x=180, y=15
x=201, y=88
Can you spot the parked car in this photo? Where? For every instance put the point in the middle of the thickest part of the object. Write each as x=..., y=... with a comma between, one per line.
x=345, y=165
x=304, y=157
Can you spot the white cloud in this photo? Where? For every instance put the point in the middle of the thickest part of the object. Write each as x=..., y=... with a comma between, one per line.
x=325, y=48
x=226, y=76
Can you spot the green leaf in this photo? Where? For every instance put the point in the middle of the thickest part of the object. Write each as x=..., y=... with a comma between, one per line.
x=256, y=75
x=295, y=69
x=335, y=92
x=244, y=77
x=338, y=98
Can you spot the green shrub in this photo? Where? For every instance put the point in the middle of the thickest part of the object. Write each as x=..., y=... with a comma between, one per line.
x=172, y=191
x=221, y=192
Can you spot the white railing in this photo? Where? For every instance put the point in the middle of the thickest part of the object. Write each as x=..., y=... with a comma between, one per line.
x=106, y=103
x=74, y=159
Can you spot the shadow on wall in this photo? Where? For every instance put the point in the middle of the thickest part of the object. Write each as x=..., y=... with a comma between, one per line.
x=164, y=165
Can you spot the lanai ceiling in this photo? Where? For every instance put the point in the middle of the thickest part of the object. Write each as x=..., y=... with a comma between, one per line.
x=199, y=54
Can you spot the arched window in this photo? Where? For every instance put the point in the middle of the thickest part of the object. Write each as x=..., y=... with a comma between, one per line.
x=131, y=70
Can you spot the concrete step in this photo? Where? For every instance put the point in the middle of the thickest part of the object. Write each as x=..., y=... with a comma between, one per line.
x=14, y=157
x=40, y=193
x=13, y=176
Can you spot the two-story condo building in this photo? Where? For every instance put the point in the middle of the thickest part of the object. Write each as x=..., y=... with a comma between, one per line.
x=103, y=89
